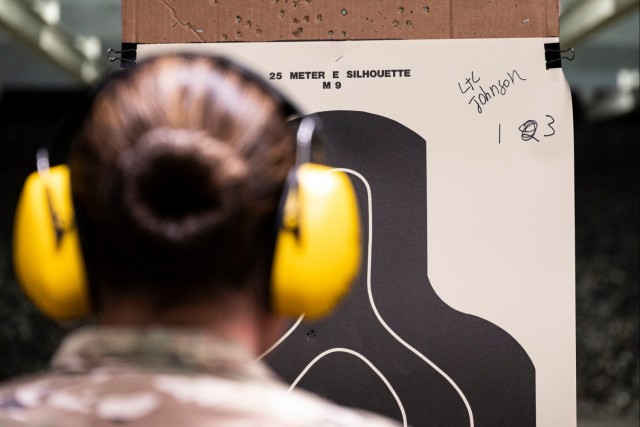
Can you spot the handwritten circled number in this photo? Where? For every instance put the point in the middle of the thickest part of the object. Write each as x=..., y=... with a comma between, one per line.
x=529, y=130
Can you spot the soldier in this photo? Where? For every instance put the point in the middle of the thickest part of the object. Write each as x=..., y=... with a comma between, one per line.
x=177, y=172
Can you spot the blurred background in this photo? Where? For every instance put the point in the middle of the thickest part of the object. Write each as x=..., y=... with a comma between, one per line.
x=50, y=49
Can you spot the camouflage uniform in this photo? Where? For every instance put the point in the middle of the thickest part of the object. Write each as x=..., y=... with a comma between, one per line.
x=160, y=377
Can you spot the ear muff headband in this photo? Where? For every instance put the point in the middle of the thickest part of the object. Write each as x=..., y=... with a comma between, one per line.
x=316, y=252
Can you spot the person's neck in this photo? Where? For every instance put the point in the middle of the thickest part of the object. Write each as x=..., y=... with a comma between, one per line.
x=237, y=317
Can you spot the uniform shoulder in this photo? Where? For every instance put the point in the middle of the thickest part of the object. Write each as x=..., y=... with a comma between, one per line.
x=144, y=398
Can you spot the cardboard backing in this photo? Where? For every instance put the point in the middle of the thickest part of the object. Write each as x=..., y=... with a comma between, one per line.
x=197, y=21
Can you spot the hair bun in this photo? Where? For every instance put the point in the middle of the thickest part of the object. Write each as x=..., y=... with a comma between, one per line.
x=180, y=183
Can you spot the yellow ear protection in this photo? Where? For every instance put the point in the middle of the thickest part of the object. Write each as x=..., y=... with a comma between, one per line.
x=46, y=249
x=316, y=253
x=317, y=249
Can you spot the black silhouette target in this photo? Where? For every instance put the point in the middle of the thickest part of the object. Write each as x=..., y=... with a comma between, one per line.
x=488, y=366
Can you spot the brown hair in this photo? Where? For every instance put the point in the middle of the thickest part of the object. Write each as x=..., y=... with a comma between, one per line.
x=176, y=177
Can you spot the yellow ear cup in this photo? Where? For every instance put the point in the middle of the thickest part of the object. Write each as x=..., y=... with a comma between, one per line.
x=317, y=253
x=46, y=248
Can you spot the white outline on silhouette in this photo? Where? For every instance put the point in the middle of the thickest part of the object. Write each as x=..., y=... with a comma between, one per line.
x=365, y=360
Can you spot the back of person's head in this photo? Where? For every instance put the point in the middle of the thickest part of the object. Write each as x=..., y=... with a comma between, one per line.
x=176, y=176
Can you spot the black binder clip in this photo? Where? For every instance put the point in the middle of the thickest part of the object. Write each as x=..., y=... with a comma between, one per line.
x=553, y=55
x=126, y=55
